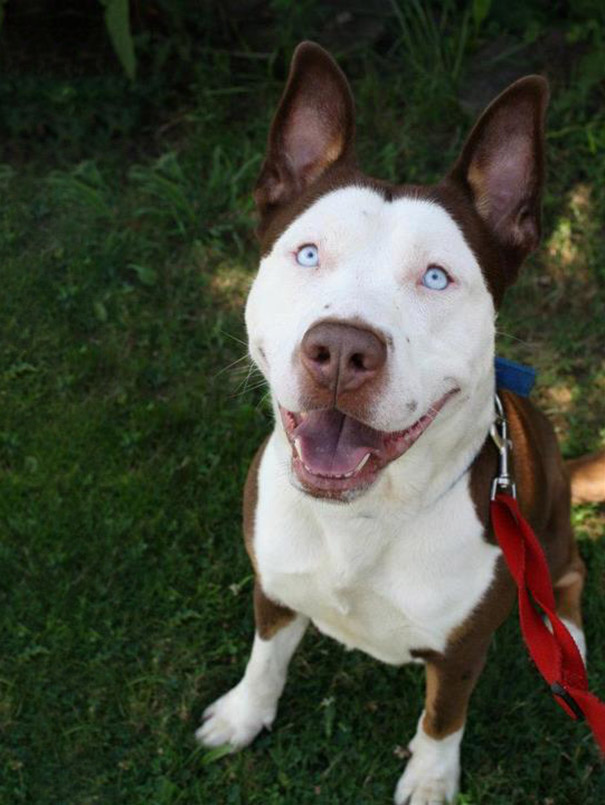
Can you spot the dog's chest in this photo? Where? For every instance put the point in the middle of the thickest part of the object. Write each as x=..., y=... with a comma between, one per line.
x=366, y=575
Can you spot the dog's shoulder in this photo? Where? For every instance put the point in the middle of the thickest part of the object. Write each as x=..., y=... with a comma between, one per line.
x=538, y=465
x=540, y=475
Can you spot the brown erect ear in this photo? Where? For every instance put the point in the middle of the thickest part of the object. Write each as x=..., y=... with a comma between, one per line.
x=502, y=165
x=313, y=128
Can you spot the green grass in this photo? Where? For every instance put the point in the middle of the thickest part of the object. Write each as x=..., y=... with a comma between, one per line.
x=126, y=247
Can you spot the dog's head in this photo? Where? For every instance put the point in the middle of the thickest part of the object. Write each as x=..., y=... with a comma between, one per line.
x=372, y=314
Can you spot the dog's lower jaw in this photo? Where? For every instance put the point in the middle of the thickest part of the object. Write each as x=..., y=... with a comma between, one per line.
x=432, y=774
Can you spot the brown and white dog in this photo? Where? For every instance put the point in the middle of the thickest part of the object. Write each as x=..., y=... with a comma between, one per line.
x=372, y=320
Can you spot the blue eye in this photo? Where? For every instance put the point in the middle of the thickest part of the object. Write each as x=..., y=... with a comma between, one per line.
x=435, y=278
x=308, y=255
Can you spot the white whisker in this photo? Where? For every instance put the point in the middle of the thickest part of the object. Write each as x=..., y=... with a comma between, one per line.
x=263, y=399
x=235, y=338
x=244, y=357
x=514, y=338
x=244, y=383
x=249, y=389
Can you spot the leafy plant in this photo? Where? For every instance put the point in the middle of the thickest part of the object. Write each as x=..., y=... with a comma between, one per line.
x=83, y=188
x=117, y=21
x=434, y=44
x=167, y=193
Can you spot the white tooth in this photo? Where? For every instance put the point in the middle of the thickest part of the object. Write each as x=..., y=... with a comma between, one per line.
x=361, y=464
x=297, y=447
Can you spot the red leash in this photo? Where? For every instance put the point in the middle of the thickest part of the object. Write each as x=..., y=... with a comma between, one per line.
x=555, y=653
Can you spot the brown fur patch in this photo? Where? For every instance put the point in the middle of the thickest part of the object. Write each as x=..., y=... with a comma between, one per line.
x=542, y=482
x=269, y=616
x=250, y=500
x=451, y=676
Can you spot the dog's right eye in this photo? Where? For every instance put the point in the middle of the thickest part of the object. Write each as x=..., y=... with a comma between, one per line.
x=436, y=278
x=308, y=255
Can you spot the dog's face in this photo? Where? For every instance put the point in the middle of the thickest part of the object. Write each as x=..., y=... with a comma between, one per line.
x=372, y=315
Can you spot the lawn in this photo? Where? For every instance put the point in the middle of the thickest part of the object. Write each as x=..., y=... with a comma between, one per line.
x=129, y=413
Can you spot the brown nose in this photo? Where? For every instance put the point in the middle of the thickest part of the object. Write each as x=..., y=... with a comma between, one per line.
x=342, y=357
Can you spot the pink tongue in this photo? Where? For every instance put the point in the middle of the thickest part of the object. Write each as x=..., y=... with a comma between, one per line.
x=331, y=443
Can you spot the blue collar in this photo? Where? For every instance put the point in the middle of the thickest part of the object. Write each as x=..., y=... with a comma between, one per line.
x=516, y=377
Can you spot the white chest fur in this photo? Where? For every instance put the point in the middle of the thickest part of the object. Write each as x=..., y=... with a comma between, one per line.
x=367, y=573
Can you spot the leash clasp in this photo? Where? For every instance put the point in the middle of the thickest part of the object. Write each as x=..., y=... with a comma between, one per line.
x=503, y=482
x=558, y=690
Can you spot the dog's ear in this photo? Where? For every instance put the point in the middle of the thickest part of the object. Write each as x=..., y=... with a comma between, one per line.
x=502, y=165
x=313, y=128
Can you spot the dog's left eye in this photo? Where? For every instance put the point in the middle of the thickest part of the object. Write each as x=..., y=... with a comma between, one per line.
x=308, y=255
x=435, y=278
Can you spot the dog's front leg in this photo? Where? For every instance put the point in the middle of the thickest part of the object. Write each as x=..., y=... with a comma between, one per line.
x=432, y=774
x=238, y=716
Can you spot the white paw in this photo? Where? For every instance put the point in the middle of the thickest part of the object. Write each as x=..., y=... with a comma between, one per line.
x=432, y=774
x=414, y=789
x=235, y=719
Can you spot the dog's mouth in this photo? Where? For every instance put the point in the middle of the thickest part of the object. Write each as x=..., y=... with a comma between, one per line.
x=333, y=453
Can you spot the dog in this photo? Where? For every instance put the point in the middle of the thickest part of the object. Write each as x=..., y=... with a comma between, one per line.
x=371, y=318
x=587, y=475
